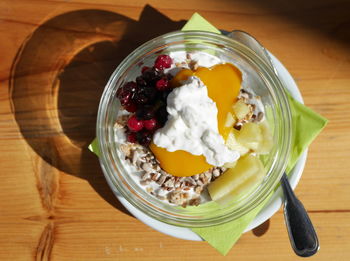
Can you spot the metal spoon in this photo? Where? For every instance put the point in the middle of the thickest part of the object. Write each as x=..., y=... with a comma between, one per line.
x=301, y=232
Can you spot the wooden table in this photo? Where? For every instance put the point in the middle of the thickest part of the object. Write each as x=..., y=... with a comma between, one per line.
x=56, y=57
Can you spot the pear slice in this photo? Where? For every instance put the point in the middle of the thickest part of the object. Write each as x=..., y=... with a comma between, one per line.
x=230, y=120
x=231, y=181
x=241, y=109
x=250, y=136
x=245, y=188
x=233, y=144
x=266, y=143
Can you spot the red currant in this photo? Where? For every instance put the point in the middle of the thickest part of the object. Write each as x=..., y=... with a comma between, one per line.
x=163, y=61
x=134, y=124
x=130, y=107
x=132, y=137
x=162, y=84
x=144, y=68
x=150, y=124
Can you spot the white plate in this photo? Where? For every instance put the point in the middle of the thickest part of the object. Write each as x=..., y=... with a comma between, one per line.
x=270, y=208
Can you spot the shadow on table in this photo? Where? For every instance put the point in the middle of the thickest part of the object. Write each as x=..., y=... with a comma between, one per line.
x=261, y=229
x=57, y=79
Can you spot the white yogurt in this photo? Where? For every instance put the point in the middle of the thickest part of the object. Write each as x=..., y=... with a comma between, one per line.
x=192, y=125
x=202, y=59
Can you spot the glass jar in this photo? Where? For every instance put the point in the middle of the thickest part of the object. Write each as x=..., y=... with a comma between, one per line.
x=262, y=80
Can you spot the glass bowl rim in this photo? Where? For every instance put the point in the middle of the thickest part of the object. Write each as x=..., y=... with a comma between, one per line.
x=149, y=47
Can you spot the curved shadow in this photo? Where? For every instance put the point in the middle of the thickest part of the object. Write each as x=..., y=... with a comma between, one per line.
x=262, y=229
x=57, y=79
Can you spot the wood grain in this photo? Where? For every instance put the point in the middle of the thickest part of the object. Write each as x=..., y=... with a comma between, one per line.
x=56, y=58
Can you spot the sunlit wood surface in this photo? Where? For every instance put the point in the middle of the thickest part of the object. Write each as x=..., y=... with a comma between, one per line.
x=56, y=57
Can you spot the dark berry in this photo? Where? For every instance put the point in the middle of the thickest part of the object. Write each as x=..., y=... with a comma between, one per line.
x=140, y=81
x=150, y=93
x=126, y=92
x=162, y=96
x=141, y=98
x=124, y=96
x=162, y=84
x=162, y=116
x=144, y=138
x=132, y=137
x=163, y=61
x=130, y=107
x=134, y=124
x=130, y=86
x=151, y=76
x=165, y=95
x=169, y=77
x=150, y=124
x=145, y=94
x=144, y=68
x=145, y=113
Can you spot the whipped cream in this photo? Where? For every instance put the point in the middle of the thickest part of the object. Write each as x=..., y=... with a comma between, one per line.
x=192, y=125
x=202, y=59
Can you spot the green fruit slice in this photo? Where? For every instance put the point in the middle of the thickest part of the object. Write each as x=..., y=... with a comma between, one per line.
x=233, y=144
x=230, y=182
x=250, y=136
x=266, y=143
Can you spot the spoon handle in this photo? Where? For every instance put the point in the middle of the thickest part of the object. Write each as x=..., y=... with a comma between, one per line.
x=301, y=232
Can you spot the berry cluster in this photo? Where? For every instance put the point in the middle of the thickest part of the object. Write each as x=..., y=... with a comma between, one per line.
x=146, y=99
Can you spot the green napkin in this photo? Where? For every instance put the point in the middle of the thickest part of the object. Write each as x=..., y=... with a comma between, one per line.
x=223, y=237
x=306, y=124
x=197, y=22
